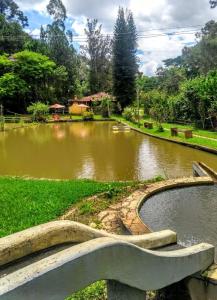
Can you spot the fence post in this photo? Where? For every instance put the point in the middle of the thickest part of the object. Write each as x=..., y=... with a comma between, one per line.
x=1, y=118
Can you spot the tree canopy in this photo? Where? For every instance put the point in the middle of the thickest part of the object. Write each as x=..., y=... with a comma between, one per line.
x=11, y=11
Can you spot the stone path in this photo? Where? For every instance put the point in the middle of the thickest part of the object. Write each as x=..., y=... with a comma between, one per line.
x=123, y=215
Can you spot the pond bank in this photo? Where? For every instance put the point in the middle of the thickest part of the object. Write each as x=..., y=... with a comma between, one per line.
x=197, y=144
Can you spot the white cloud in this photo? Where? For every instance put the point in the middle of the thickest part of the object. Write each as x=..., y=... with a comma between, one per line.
x=148, y=14
x=38, y=5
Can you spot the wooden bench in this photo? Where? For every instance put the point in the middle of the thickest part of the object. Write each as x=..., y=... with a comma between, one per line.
x=148, y=125
x=188, y=133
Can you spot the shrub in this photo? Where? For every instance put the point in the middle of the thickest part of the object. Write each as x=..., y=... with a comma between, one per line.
x=129, y=114
x=38, y=111
x=96, y=291
x=88, y=116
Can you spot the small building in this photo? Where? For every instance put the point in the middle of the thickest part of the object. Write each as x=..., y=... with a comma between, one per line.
x=78, y=109
x=78, y=106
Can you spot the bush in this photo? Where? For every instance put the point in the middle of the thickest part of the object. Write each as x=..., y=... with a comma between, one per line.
x=96, y=291
x=38, y=111
x=129, y=114
x=88, y=116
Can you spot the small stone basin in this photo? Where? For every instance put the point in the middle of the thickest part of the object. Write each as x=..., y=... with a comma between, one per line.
x=190, y=211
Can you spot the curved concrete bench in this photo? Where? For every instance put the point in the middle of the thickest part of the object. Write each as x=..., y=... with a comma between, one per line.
x=55, y=233
x=72, y=269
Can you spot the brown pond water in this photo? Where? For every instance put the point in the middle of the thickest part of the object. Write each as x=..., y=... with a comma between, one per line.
x=92, y=150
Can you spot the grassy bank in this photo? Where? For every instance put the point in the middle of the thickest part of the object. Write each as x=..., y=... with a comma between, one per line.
x=199, y=132
x=26, y=203
x=196, y=140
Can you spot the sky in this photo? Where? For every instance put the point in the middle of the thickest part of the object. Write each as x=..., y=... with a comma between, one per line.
x=164, y=26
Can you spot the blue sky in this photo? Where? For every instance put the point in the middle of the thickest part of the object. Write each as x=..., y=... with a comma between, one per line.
x=164, y=26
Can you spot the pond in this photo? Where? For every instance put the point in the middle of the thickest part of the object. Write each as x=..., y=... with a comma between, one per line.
x=190, y=211
x=93, y=150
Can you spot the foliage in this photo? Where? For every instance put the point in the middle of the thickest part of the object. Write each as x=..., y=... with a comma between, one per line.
x=11, y=11
x=9, y=30
x=12, y=87
x=57, y=10
x=96, y=291
x=36, y=202
x=159, y=108
x=201, y=94
x=202, y=57
x=5, y=64
x=38, y=110
x=213, y=3
x=170, y=79
x=34, y=74
x=124, y=59
x=88, y=116
x=105, y=107
x=58, y=41
x=146, y=84
x=98, y=57
x=130, y=114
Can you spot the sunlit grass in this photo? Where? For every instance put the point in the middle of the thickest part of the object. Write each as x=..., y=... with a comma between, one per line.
x=26, y=203
x=196, y=140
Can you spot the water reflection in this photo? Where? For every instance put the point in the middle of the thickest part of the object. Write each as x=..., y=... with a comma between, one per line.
x=93, y=150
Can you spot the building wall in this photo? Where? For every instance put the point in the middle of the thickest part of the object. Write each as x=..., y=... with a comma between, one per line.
x=75, y=109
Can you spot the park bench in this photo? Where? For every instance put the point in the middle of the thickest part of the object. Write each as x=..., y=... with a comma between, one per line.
x=187, y=133
x=148, y=125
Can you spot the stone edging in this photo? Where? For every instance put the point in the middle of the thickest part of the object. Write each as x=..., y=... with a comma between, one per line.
x=77, y=121
x=129, y=213
x=195, y=146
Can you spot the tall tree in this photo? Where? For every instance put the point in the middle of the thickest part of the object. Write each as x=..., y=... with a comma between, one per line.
x=11, y=11
x=98, y=56
x=12, y=36
x=57, y=10
x=59, y=42
x=124, y=59
x=213, y=3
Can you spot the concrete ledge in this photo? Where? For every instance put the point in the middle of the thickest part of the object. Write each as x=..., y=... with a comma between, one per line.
x=44, y=236
x=72, y=269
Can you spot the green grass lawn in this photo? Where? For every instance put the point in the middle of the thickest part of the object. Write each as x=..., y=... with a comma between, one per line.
x=204, y=133
x=26, y=203
x=201, y=141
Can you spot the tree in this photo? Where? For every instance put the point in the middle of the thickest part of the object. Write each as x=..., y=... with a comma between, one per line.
x=38, y=111
x=12, y=36
x=202, y=57
x=146, y=83
x=169, y=79
x=159, y=108
x=12, y=91
x=40, y=73
x=59, y=43
x=124, y=59
x=57, y=10
x=213, y=3
x=98, y=56
x=5, y=64
x=11, y=11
